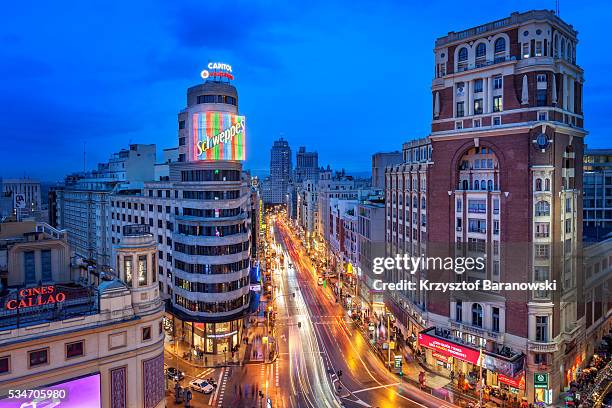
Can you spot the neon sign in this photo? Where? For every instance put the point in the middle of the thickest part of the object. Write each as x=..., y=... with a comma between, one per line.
x=30, y=297
x=218, y=136
x=217, y=70
x=449, y=349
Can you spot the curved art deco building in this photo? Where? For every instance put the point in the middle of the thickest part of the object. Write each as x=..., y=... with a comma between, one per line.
x=200, y=214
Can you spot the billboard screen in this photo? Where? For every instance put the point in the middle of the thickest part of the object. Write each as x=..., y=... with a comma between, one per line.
x=83, y=392
x=218, y=136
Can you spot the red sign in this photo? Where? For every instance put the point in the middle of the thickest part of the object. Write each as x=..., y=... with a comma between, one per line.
x=516, y=383
x=449, y=349
x=29, y=297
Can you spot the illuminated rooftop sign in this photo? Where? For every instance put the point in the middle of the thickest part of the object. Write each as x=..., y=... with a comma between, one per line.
x=217, y=70
x=218, y=136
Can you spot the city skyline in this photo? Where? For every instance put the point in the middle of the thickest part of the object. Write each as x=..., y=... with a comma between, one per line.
x=130, y=97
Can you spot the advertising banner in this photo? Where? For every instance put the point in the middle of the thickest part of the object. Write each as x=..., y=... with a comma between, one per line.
x=513, y=382
x=450, y=349
x=218, y=136
x=83, y=392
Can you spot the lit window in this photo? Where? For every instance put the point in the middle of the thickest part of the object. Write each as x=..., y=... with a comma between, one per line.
x=526, y=51
x=497, y=103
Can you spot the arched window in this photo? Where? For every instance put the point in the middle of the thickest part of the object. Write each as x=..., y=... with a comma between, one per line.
x=422, y=203
x=562, y=47
x=466, y=185
x=463, y=54
x=483, y=185
x=542, y=208
x=476, y=185
x=481, y=50
x=415, y=202
x=547, y=185
x=569, y=52
x=556, y=46
x=490, y=185
x=477, y=315
x=500, y=45
x=538, y=185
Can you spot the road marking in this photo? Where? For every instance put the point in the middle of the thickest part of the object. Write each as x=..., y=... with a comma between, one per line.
x=222, y=386
x=213, y=397
x=375, y=388
x=205, y=373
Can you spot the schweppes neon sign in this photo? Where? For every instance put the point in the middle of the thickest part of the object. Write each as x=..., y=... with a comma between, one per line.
x=40, y=296
x=218, y=136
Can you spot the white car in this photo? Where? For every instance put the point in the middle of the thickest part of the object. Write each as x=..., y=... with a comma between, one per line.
x=202, y=386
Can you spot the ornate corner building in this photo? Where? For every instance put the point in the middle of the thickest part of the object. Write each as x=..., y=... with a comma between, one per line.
x=500, y=176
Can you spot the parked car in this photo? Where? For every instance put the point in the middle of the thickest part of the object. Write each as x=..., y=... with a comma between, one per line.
x=174, y=374
x=202, y=386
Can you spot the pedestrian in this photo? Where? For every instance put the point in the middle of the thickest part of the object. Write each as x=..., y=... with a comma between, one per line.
x=253, y=391
x=240, y=391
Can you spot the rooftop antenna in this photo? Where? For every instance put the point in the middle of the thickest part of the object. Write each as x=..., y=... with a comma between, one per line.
x=557, y=9
x=84, y=155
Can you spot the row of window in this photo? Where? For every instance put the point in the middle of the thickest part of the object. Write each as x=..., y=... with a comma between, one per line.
x=141, y=270
x=230, y=100
x=212, y=213
x=477, y=315
x=207, y=269
x=211, y=307
x=212, y=231
x=29, y=266
x=210, y=175
x=478, y=106
x=482, y=185
x=201, y=287
x=216, y=250
x=211, y=195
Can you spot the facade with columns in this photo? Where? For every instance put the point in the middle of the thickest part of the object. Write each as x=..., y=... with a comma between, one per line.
x=500, y=177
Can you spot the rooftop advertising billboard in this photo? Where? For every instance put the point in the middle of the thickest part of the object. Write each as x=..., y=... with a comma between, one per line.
x=83, y=392
x=218, y=136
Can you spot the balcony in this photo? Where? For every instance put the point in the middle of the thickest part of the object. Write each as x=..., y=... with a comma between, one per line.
x=542, y=347
x=482, y=64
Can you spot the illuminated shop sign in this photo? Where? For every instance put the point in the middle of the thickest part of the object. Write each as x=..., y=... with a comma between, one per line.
x=218, y=136
x=217, y=70
x=40, y=296
x=81, y=392
x=449, y=349
x=512, y=382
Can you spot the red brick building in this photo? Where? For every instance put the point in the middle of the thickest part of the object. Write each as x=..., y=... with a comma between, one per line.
x=499, y=177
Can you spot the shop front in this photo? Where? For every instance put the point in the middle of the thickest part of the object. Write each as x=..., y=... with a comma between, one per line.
x=542, y=391
x=502, y=376
x=210, y=338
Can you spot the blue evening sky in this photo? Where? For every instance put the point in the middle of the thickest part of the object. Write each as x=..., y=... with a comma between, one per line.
x=344, y=78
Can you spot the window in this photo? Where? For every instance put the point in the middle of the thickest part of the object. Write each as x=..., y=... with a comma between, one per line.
x=481, y=50
x=5, y=364
x=541, y=78
x=463, y=54
x=547, y=185
x=142, y=270
x=29, y=267
x=460, y=109
x=542, y=328
x=498, y=82
x=206, y=99
x=496, y=120
x=476, y=123
x=542, y=208
x=459, y=310
x=541, y=97
x=526, y=51
x=495, y=319
x=542, y=115
x=181, y=124
x=568, y=226
x=146, y=333
x=542, y=251
x=497, y=103
x=500, y=45
x=478, y=106
x=38, y=357
x=477, y=225
x=45, y=260
x=495, y=206
x=127, y=266
x=538, y=48
x=75, y=349
x=477, y=315
x=478, y=85
x=495, y=227
x=459, y=125
x=542, y=230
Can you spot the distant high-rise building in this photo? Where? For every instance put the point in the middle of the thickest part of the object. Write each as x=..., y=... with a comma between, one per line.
x=306, y=166
x=280, y=172
x=21, y=195
x=379, y=162
x=597, y=196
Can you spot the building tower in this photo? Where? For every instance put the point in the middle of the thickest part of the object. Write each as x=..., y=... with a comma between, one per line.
x=499, y=177
x=201, y=218
x=280, y=172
